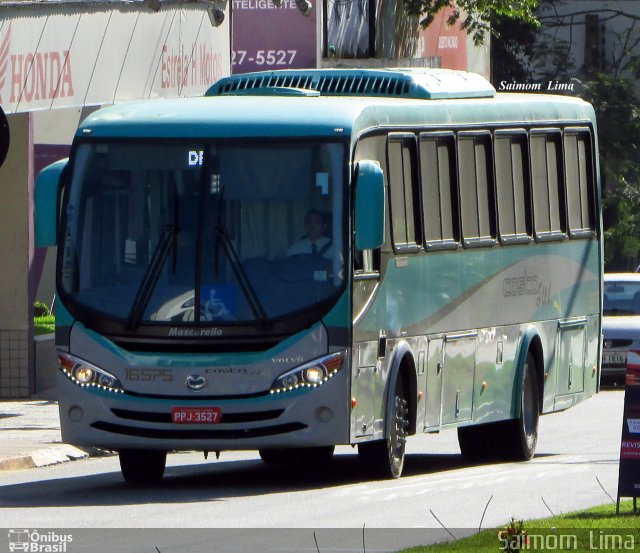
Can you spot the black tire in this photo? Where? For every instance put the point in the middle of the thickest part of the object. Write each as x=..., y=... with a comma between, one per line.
x=385, y=458
x=142, y=465
x=298, y=455
x=520, y=436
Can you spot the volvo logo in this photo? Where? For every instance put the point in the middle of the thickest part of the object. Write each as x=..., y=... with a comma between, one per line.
x=196, y=382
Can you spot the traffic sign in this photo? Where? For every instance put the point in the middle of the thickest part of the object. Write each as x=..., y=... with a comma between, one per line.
x=629, y=467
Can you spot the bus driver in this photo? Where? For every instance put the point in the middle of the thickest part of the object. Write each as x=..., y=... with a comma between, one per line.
x=314, y=241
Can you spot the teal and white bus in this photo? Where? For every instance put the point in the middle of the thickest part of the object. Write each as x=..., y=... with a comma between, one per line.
x=459, y=285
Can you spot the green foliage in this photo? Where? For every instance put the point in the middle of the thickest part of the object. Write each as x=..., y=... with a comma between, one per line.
x=617, y=105
x=622, y=229
x=521, y=52
x=44, y=325
x=478, y=14
x=512, y=51
x=43, y=321
x=584, y=528
x=40, y=309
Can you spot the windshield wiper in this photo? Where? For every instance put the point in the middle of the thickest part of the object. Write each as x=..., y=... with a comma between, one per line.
x=143, y=296
x=241, y=274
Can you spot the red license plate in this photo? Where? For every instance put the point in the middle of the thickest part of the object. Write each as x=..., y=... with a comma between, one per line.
x=196, y=415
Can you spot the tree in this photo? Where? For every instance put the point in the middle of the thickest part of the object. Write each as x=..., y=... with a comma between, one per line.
x=520, y=51
x=617, y=105
x=476, y=15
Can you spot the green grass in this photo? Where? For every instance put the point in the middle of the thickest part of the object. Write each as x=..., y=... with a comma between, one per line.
x=596, y=529
x=44, y=325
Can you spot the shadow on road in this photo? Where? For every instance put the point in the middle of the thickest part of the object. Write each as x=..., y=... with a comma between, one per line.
x=208, y=481
x=215, y=481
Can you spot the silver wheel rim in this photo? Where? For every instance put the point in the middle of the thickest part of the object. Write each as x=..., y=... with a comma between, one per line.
x=398, y=435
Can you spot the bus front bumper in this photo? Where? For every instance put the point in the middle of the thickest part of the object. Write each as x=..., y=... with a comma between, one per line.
x=298, y=418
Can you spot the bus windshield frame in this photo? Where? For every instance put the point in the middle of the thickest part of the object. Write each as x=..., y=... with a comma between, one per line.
x=201, y=237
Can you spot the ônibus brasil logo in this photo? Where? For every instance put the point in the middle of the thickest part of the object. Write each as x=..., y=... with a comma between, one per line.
x=34, y=541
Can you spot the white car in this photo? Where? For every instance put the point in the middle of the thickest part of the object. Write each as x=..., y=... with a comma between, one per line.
x=620, y=323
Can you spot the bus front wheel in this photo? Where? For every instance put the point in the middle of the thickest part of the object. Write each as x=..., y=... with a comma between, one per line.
x=385, y=458
x=141, y=465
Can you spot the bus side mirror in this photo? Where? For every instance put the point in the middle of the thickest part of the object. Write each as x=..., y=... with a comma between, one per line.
x=369, y=209
x=47, y=203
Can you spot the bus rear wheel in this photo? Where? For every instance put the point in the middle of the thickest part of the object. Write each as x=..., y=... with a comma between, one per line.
x=385, y=458
x=142, y=466
x=511, y=440
x=520, y=436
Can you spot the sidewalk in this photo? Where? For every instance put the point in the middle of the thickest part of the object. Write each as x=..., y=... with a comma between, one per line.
x=30, y=434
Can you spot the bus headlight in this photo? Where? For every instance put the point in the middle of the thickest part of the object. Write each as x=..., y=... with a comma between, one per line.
x=309, y=375
x=84, y=374
x=87, y=375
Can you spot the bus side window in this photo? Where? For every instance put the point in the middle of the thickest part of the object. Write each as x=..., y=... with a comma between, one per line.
x=579, y=181
x=547, y=184
x=439, y=190
x=403, y=191
x=512, y=186
x=476, y=188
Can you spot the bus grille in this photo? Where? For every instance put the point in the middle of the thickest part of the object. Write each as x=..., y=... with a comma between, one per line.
x=229, y=418
x=198, y=434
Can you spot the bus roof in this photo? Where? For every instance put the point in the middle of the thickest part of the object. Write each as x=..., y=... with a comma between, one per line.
x=284, y=109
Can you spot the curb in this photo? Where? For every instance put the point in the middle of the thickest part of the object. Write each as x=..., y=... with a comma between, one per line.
x=50, y=456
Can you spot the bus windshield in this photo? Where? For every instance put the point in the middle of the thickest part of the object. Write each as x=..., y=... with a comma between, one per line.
x=194, y=232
